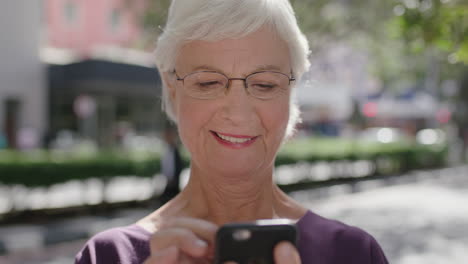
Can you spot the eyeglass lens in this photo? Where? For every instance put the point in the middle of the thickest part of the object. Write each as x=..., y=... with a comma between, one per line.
x=208, y=85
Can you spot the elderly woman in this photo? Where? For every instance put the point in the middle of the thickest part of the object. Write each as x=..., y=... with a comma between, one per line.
x=229, y=69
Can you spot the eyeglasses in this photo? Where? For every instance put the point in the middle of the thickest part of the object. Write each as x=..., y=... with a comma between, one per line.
x=263, y=85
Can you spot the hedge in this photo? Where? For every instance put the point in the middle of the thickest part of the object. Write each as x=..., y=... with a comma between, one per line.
x=44, y=169
x=405, y=155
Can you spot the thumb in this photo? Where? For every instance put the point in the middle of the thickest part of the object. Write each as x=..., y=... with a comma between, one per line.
x=286, y=253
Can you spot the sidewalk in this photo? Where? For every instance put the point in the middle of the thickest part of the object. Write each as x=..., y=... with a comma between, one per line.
x=423, y=222
x=421, y=217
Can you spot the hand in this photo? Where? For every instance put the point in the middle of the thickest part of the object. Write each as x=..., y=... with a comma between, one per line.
x=183, y=241
x=284, y=253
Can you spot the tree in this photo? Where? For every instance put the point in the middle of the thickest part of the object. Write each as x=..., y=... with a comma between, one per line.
x=402, y=36
x=156, y=14
x=434, y=24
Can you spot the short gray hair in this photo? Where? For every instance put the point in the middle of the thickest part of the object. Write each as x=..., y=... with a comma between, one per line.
x=213, y=20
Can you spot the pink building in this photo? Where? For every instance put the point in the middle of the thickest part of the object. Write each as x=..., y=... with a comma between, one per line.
x=85, y=25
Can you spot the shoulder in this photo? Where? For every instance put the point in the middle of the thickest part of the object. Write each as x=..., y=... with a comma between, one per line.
x=117, y=245
x=335, y=242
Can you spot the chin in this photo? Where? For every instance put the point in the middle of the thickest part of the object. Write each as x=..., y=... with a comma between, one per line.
x=237, y=170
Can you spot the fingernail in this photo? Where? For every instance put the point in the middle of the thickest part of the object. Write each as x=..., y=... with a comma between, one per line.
x=286, y=251
x=200, y=243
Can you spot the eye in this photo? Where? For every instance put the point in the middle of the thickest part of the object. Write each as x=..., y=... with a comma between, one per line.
x=264, y=87
x=208, y=85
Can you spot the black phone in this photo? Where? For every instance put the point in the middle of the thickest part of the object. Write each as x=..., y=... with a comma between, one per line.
x=252, y=242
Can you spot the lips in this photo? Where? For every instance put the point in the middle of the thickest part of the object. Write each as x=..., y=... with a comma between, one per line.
x=236, y=141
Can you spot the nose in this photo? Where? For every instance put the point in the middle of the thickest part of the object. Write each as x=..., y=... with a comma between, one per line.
x=238, y=105
x=232, y=82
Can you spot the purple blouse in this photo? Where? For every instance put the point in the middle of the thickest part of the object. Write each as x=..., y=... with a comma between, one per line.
x=321, y=241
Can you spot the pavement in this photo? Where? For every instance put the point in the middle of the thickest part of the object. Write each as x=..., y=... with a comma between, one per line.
x=420, y=217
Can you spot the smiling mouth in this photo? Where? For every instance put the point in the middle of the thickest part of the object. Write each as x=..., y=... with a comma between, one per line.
x=233, y=140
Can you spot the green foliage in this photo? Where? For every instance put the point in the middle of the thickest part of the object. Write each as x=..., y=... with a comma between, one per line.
x=44, y=168
x=435, y=24
x=156, y=14
x=401, y=156
x=394, y=40
x=341, y=20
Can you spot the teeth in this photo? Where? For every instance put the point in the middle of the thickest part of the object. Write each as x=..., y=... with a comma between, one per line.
x=233, y=139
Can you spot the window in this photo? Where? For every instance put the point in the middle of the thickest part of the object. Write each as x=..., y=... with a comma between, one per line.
x=12, y=107
x=115, y=20
x=70, y=12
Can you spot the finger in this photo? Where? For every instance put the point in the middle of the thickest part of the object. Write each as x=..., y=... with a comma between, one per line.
x=204, y=229
x=286, y=253
x=165, y=256
x=181, y=238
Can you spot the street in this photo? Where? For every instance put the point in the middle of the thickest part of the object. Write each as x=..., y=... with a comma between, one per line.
x=421, y=220
x=420, y=217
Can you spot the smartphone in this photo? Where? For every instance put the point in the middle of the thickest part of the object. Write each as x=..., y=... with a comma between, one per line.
x=252, y=242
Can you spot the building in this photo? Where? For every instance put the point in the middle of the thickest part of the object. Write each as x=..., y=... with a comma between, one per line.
x=97, y=79
x=23, y=99
x=57, y=52
x=89, y=26
x=92, y=97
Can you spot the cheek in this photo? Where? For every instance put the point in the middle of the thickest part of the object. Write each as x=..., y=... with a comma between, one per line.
x=276, y=120
x=186, y=121
x=192, y=116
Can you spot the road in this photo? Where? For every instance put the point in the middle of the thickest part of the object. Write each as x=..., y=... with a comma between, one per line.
x=421, y=217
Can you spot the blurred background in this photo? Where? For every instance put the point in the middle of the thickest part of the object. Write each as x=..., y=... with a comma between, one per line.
x=383, y=142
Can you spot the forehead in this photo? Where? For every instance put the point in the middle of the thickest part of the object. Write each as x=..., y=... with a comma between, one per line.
x=262, y=50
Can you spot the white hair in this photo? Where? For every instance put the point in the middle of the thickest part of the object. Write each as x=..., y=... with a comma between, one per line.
x=213, y=20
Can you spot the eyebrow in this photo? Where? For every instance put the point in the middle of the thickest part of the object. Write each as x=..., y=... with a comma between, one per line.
x=206, y=68
x=268, y=67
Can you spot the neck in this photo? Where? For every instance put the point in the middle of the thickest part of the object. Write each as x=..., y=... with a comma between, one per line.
x=231, y=198
x=221, y=199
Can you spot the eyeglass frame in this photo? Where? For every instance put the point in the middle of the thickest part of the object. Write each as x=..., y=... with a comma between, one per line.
x=228, y=83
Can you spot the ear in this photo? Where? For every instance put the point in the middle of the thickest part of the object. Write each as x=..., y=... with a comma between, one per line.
x=170, y=81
